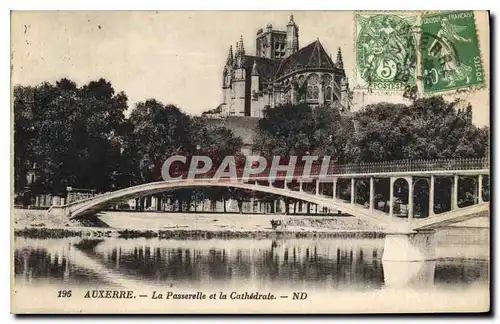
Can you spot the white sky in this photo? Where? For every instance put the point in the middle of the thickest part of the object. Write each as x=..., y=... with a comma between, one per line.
x=175, y=57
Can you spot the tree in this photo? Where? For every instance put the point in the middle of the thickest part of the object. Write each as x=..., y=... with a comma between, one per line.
x=156, y=132
x=23, y=134
x=69, y=133
x=430, y=128
x=300, y=130
x=286, y=130
x=332, y=133
x=216, y=142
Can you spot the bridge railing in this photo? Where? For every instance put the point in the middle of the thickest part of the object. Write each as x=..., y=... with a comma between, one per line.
x=408, y=166
x=372, y=168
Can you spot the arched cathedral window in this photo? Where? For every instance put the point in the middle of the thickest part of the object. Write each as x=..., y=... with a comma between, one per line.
x=312, y=92
x=313, y=87
x=313, y=79
x=327, y=79
x=328, y=93
x=309, y=92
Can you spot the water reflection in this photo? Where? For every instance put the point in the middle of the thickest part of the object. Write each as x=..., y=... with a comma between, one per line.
x=353, y=264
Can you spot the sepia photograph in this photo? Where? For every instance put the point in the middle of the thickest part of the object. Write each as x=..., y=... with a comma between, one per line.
x=250, y=162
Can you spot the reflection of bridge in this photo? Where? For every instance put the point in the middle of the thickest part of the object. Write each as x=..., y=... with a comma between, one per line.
x=411, y=173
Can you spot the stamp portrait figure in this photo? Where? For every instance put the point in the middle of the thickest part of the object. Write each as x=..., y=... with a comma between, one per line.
x=450, y=52
x=386, y=51
x=444, y=49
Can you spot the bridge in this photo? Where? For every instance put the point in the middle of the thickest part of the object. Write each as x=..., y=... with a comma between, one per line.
x=403, y=230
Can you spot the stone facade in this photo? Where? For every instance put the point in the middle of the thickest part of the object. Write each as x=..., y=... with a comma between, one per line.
x=280, y=73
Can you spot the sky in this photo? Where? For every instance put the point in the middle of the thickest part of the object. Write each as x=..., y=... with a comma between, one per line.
x=178, y=57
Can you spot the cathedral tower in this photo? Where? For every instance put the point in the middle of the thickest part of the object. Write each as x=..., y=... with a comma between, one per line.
x=292, y=37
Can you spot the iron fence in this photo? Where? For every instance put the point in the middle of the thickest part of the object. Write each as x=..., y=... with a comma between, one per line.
x=372, y=168
x=409, y=166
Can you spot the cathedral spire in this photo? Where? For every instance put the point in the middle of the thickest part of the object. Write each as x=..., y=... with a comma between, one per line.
x=230, y=56
x=241, y=46
x=340, y=63
x=292, y=37
x=236, y=55
x=255, y=72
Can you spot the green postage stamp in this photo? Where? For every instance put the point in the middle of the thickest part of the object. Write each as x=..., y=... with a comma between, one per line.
x=386, y=51
x=450, y=52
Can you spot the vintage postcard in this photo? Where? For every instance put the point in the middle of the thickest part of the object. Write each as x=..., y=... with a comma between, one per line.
x=315, y=162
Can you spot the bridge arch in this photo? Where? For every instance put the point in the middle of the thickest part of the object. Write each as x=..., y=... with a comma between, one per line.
x=98, y=203
x=400, y=188
x=421, y=196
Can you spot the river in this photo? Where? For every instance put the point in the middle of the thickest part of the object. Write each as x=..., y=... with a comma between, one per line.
x=335, y=267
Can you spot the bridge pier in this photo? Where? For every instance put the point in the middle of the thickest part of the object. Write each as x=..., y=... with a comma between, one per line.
x=454, y=195
x=334, y=188
x=409, y=247
x=391, y=196
x=404, y=274
x=353, y=190
x=431, y=196
x=410, y=198
x=372, y=193
x=480, y=189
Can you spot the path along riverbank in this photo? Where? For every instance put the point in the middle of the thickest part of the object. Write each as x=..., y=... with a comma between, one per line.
x=37, y=223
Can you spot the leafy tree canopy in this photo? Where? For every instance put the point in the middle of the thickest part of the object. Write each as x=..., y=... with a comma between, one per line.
x=69, y=132
x=300, y=130
x=430, y=128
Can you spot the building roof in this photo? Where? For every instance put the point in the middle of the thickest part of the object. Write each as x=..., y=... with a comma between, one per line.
x=310, y=56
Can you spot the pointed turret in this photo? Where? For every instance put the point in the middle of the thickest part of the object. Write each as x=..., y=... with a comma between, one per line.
x=340, y=63
x=255, y=72
x=292, y=37
x=236, y=54
x=241, y=46
x=239, y=57
x=230, y=56
x=239, y=82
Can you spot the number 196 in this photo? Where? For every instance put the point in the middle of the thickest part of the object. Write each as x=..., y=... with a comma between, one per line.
x=64, y=293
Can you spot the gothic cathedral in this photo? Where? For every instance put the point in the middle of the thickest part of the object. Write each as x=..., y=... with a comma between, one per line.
x=281, y=73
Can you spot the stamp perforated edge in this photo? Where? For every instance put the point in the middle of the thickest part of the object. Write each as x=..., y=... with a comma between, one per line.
x=462, y=90
x=421, y=94
x=380, y=92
